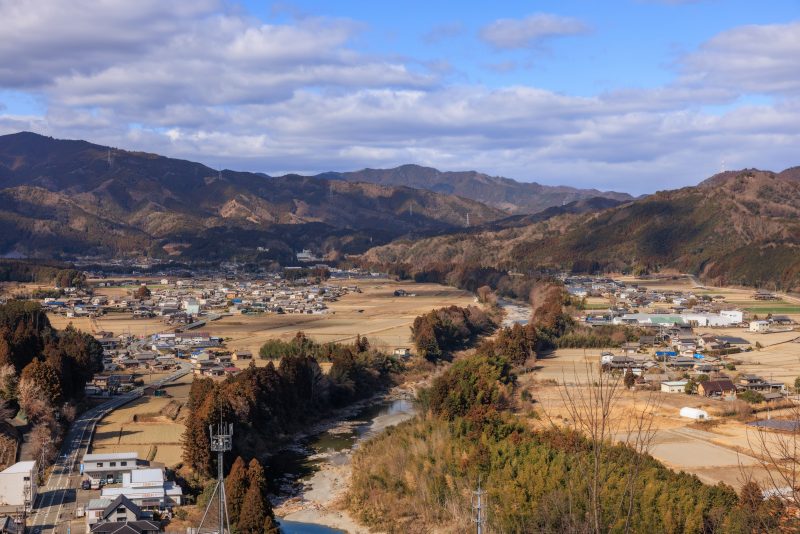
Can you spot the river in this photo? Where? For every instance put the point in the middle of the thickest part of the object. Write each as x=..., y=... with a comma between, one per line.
x=314, y=474
x=516, y=312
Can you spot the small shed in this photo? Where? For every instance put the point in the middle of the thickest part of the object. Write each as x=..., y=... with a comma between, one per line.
x=674, y=386
x=694, y=413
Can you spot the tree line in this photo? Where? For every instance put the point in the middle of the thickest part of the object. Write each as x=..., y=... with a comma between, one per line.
x=43, y=273
x=270, y=402
x=42, y=370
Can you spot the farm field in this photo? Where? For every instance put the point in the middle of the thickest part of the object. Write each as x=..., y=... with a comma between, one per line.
x=715, y=453
x=150, y=426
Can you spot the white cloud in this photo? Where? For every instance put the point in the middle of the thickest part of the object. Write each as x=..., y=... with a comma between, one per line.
x=749, y=59
x=225, y=89
x=530, y=31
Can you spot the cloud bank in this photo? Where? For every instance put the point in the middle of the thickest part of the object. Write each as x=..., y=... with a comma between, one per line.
x=209, y=83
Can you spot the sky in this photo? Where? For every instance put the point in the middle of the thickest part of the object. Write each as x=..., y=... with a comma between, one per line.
x=626, y=95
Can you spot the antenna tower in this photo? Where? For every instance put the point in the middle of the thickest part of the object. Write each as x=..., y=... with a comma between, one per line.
x=479, y=509
x=215, y=518
x=467, y=218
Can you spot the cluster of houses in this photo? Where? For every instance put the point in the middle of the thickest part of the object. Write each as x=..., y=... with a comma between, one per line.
x=183, y=302
x=130, y=491
x=665, y=307
x=125, y=357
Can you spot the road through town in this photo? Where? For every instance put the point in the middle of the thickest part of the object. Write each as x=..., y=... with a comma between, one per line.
x=55, y=504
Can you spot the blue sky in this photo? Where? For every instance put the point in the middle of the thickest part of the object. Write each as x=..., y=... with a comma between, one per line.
x=634, y=95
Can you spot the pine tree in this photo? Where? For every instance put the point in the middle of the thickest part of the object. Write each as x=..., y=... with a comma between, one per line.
x=252, y=514
x=255, y=515
x=236, y=485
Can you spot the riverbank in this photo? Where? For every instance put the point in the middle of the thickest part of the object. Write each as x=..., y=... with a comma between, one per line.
x=514, y=312
x=320, y=501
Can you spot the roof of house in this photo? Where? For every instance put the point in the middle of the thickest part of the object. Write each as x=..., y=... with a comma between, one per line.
x=111, y=456
x=122, y=500
x=126, y=527
x=144, y=476
x=714, y=386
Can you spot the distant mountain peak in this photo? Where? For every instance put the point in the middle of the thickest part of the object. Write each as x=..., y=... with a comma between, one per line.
x=506, y=194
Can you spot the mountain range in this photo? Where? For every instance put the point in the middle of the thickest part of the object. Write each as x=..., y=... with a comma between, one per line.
x=506, y=194
x=738, y=227
x=68, y=198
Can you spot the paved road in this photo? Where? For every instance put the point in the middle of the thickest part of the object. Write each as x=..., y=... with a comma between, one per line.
x=55, y=505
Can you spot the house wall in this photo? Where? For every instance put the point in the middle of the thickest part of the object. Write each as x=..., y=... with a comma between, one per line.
x=12, y=488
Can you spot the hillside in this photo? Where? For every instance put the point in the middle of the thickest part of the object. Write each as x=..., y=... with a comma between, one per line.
x=70, y=198
x=503, y=193
x=734, y=228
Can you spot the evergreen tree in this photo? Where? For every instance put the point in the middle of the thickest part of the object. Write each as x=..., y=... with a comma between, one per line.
x=256, y=515
x=236, y=485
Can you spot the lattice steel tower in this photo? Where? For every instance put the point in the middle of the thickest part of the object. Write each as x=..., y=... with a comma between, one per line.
x=221, y=442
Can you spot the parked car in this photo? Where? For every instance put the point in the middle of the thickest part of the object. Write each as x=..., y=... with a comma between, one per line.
x=86, y=484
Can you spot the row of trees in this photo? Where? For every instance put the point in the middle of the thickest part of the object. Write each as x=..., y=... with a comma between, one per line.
x=26, y=271
x=265, y=403
x=443, y=330
x=43, y=371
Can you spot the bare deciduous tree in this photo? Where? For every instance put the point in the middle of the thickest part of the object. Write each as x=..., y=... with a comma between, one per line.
x=591, y=400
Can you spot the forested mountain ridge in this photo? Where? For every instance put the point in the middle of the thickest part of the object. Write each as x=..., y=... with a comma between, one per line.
x=61, y=197
x=503, y=193
x=738, y=227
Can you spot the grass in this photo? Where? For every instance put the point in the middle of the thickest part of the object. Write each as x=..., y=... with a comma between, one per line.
x=788, y=309
x=597, y=306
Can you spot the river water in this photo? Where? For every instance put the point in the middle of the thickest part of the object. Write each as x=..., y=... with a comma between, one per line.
x=516, y=312
x=293, y=470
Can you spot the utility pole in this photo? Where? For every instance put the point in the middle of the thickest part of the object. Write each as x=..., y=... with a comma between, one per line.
x=478, y=509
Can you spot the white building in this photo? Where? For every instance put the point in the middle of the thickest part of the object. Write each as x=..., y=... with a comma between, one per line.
x=15, y=481
x=759, y=326
x=674, y=386
x=110, y=468
x=147, y=489
x=693, y=413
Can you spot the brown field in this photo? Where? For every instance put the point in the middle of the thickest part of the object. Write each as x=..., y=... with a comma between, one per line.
x=144, y=426
x=375, y=313
x=385, y=320
x=726, y=451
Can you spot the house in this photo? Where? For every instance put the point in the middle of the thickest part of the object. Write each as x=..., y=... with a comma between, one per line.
x=716, y=388
x=782, y=320
x=15, y=480
x=748, y=382
x=119, y=509
x=647, y=341
x=402, y=352
x=110, y=467
x=772, y=396
x=128, y=527
x=630, y=348
x=147, y=489
x=759, y=326
x=242, y=355
x=674, y=386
